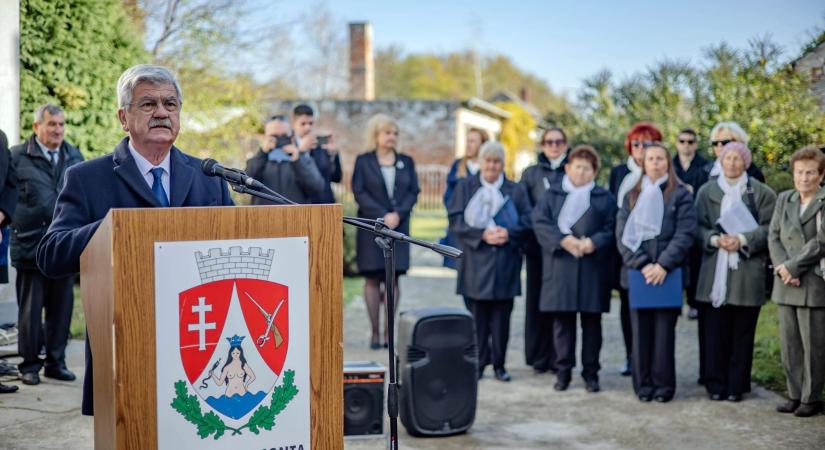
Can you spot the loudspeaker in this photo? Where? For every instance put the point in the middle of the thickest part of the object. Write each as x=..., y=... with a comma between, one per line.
x=363, y=399
x=438, y=360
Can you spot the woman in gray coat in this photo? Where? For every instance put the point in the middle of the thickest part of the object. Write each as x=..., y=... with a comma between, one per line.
x=799, y=290
x=732, y=274
x=489, y=215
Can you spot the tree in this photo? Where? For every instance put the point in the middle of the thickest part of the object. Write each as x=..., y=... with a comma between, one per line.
x=71, y=54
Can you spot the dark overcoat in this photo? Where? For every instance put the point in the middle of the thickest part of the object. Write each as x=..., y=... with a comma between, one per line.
x=537, y=180
x=617, y=174
x=746, y=285
x=8, y=201
x=299, y=180
x=670, y=248
x=488, y=272
x=573, y=284
x=94, y=187
x=374, y=202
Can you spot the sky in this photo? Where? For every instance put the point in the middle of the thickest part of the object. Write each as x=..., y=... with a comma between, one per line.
x=566, y=42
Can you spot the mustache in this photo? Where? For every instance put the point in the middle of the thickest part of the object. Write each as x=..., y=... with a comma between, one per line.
x=165, y=123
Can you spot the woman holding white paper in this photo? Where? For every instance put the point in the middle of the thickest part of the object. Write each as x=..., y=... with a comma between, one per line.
x=734, y=211
x=654, y=230
x=489, y=216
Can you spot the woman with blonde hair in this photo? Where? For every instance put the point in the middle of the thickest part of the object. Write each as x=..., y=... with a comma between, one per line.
x=722, y=134
x=385, y=186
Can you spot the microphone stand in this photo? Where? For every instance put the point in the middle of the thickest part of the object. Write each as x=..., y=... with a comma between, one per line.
x=384, y=238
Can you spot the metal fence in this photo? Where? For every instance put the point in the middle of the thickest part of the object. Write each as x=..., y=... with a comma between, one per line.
x=432, y=180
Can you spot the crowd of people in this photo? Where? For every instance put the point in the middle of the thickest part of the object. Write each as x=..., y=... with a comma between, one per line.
x=663, y=224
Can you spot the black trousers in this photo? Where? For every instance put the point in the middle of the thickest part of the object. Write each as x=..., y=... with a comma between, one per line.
x=624, y=318
x=730, y=330
x=36, y=292
x=654, y=339
x=492, y=319
x=564, y=330
x=539, y=351
x=694, y=266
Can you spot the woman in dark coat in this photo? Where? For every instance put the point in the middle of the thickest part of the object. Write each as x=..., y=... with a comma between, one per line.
x=732, y=275
x=537, y=179
x=622, y=179
x=574, y=224
x=655, y=230
x=385, y=186
x=488, y=215
x=797, y=247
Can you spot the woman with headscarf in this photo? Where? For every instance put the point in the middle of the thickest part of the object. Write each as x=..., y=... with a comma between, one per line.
x=574, y=223
x=721, y=134
x=734, y=212
x=622, y=180
x=655, y=228
x=489, y=215
x=796, y=240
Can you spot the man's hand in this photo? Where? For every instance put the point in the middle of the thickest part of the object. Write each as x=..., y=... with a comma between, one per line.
x=392, y=220
x=292, y=151
x=654, y=274
x=308, y=142
x=268, y=144
x=331, y=147
x=572, y=245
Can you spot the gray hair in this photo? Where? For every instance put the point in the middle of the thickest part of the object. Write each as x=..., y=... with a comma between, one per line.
x=40, y=112
x=141, y=73
x=492, y=149
x=733, y=128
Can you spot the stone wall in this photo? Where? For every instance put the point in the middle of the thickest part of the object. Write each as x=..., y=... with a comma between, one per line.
x=235, y=263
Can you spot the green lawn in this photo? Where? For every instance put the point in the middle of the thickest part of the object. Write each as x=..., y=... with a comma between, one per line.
x=767, y=360
x=429, y=226
x=353, y=287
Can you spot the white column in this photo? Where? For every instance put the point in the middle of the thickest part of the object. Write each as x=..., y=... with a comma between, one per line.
x=10, y=69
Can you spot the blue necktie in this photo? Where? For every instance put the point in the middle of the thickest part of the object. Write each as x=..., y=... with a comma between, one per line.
x=157, y=187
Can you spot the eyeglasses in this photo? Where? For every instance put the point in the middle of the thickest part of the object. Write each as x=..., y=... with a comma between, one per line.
x=722, y=142
x=150, y=105
x=687, y=141
x=554, y=142
x=637, y=143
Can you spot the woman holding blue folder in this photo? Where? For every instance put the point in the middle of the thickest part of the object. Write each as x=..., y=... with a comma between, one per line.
x=489, y=215
x=655, y=229
x=734, y=212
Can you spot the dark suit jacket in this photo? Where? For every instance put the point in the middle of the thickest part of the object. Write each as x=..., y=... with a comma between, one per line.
x=571, y=284
x=94, y=187
x=373, y=202
x=8, y=202
x=488, y=272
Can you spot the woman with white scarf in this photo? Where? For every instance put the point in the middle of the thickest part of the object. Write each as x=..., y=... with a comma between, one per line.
x=655, y=229
x=732, y=275
x=622, y=179
x=574, y=223
x=489, y=215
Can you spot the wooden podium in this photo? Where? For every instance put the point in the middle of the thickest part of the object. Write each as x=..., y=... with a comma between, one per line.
x=117, y=285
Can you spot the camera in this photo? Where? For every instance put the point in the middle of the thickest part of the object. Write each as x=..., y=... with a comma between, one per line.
x=282, y=140
x=322, y=139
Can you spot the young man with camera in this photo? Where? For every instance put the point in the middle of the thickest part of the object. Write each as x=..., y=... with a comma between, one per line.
x=322, y=148
x=283, y=166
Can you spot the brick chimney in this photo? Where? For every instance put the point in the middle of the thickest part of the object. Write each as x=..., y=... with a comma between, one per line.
x=361, y=68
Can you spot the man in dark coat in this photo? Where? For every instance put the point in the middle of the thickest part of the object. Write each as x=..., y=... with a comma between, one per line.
x=8, y=201
x=537, y=179
x=284, y=167
x=40, y=163
x=322, y=149
x=144, y=171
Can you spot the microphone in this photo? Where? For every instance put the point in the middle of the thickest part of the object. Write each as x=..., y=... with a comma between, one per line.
x=213, y=169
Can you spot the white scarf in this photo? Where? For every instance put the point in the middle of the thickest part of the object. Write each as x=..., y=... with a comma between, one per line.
x=575, y=204
x=629, y=180
x=716, y=170
x=724, y=259
x=472, y=166
x=645, y=220
x=484, y=204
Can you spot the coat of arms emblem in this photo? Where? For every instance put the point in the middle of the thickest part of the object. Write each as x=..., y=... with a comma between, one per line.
x=234, y=338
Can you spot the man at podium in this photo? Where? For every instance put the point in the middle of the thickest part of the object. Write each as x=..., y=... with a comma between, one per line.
x=145, y=170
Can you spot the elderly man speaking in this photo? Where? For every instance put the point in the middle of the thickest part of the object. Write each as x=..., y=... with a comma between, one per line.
x=145, y=170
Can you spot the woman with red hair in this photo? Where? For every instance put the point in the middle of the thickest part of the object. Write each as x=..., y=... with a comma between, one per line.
x=622, y=179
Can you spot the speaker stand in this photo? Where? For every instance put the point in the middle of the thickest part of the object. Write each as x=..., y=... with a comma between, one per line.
x=387, y=245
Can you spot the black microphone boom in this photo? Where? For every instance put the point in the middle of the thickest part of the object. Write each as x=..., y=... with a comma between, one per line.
x=213, y=169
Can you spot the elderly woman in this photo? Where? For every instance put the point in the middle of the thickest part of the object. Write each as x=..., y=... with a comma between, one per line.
x=574, y=224
x=655, y=229
x=799, y=290
x=732, y=276
x=488, y=215
x=622, y=179
x=537, y=179
x=385, y=186
x=721, y=134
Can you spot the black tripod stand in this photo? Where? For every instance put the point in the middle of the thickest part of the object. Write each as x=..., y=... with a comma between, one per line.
x=384, y=238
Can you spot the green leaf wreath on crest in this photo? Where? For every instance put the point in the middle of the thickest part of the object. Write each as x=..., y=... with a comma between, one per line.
x=264, y=417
